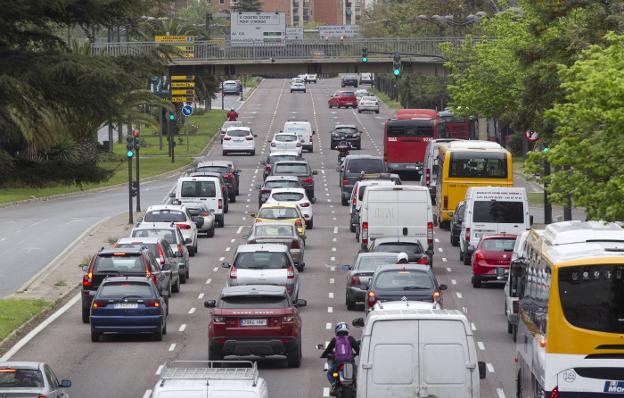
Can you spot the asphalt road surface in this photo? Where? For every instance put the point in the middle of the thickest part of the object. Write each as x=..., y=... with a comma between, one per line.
x=129, y=367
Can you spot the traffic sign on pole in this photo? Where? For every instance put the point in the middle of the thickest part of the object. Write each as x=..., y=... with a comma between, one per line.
x=187, y=110
x=531, y=135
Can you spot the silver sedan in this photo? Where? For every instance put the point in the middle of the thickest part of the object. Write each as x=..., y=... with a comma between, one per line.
x=34, y=379
x=280, y=232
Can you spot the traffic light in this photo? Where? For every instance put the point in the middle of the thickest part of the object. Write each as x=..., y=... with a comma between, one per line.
x=396, y=65
x=137, y=139
x=546, y=149
x=365, y=55
x=130, y=146
x=172, y=117
x=135, y=188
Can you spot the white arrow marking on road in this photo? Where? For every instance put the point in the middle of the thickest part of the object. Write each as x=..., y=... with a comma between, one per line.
x=480, y=345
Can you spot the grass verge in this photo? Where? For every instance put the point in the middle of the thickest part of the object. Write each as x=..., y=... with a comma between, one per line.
x=393, y=104
x=536, y=199
x=15, y=312
x=252, y=82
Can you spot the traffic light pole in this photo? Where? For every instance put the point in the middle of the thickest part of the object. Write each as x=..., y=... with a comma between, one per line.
x=138, y=183
x=547, y=204
x=130, y=219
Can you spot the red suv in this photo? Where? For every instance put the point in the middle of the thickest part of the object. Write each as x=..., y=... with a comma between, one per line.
x=255, y=320
x=491, y=259
x=343, y=99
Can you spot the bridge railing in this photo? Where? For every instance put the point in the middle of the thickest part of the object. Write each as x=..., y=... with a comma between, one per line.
x=308, y=49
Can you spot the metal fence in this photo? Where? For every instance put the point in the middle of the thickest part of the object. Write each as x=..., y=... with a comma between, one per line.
x=308, y=49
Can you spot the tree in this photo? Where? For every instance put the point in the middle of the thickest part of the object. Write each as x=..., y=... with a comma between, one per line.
x=247, y=6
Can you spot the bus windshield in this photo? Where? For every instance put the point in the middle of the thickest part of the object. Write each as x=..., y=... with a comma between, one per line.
x=411, y=128
x=478, y=165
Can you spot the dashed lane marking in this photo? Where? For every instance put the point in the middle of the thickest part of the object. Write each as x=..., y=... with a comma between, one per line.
x=332, y=259
x=481, y=345
x=453, y=281
x=192, y=310
x=148, y=393
x=233, y=240
x=440, y=249
x=335, y=230
x=500, y=393
x=201, y=295
x=221, y=259
x=227, y=249
x=238, y=231
x=330, y=310
x=489, y=367
x=459, y=295
x=172, y=347
x=331, y=295
x=182, y=327
x=159, y=370
x=437, y=240
x=331, y=281
x=215, y=269
x=328, y=325
x=332, y=268
x=448, y=269
x=473, y=327
x=325, y=392
x=444, y=259
x=333, y=249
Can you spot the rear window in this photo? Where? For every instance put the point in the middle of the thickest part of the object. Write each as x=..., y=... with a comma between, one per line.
x=415, y=128
x=164, y=216
x=278, y=213
x=167, y=234
x=347, y=94
x=291, y=168
x=478, y=165
x=287, y=196
x=413, y=250
x=214, y=169
x=238, y=133
x=198, y=189
x=126, y=289
x=254, y=302
x=122, y=263
x=282, y=184
x=366, y=165
x=279, y=158
x=346, y=130
x=151, y=247
x=267, y=231
x=25, y=378
x=370, y=263
x=499, y=244
x=494, y=211
x=231, y=124
x=404, y=279
x=261, y=260
x=286, y=137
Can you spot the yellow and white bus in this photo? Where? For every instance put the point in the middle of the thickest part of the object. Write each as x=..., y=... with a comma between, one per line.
x=463, y=164
x=570, y=340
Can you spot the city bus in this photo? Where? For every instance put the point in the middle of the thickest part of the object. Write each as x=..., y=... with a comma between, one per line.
x=451, y=126
x=463, y=164
x=406, y=137
x=570, y=338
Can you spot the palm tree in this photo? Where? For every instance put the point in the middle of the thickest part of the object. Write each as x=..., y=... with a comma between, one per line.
x=247, y=6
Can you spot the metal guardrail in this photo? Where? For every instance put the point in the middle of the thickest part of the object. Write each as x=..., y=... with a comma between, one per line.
x=308, y=49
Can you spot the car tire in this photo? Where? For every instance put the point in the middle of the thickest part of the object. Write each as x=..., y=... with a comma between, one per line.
x=211, y=232
x=232, y=198
x=359, y=111
x=294, y=356
x=164, y=330
x=220, y=222
x=95, y=336
x=183, y=278
x=476, y=282
x=191, y=251
x=350, y=304
x=158, y=336
x=352, y=228
x=509, y=327
x=176, y=288
x=514, y=333
x=253, y=153
x=86, y=312
x=215, y=352
x=345, y=202
x=467, y=259
x=461, y=254
x=311, y=223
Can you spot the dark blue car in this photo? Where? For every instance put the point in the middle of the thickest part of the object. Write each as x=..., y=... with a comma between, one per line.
x=128, y=305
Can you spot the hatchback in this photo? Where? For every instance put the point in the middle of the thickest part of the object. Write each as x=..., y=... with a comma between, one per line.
x=239, y=139
x=279, y=232
x=410, y=246
x=368, y=103
x=282, y=212
x=349, y=80
x=295, y=195
x=30, y=379
x=346, y=133
x=300, y=169
x=491, y=259
x=456, y=223
x=264, y=190
x=176, y=214
x=343, y=99
x=360, y=273
x=128, y=305
x=200, y=209
x=351, y=169
x=230, y=174
x=172, y=235
x=277, y=156
x=286, y=142
x=226, y=125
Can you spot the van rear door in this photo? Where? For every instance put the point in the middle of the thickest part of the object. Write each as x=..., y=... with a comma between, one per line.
x=383, y=213
x=414, y=208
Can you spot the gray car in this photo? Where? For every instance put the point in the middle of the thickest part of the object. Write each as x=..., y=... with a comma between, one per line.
x=360, y=273
x=30, y=379
x=280, y=233
x=351, y=169
x=264, y=264
x=172, y=235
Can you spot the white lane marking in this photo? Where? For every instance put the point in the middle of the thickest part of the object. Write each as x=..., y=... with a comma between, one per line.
x=465, y=310
x=182, y=327
x=335, y=230
x=332, y=259
x=440, y=249
x=147, y=394
x=160, y=369
x=500, y=393
x=473, y=327
x=233, y=240
x=328, y=325
x=227, y=249
x=172, y=347
x=481, y=345
x=215, y=269
x=334, y=218
x=330, y=309
x=221, y=259
x=256, y=171
x=334, y=239
x=331, y=295
x=437, y=240
x=201, y=295
x=239, y=230
x=444, y=259
x=489, y=367
x=31, y=335
x=448, y=269
x=453, y=281
x=332, y=268
x=192, y=310
x=323, y=171
x=333, y=249
x=325, y=392
x=244, y=218
x=331, y=281
x=459, y=295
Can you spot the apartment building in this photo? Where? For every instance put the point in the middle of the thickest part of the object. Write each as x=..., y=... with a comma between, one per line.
x=298, y=12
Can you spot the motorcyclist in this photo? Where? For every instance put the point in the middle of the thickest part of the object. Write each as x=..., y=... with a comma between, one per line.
x=232, y=115
x=342, y=348
x=402, y=258
x=343, y=150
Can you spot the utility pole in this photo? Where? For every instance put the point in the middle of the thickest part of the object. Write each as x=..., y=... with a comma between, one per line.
x=129, y=156
x=170, y=124
x=547, y=204
x=137, y=145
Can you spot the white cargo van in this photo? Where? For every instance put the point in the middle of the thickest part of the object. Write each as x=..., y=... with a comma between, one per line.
x=303, y=130
x=492, y=210
x=202, y=189
x=408, y=353
x=396, y=211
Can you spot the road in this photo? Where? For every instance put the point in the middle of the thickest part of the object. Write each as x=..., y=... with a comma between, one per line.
x=129, y=367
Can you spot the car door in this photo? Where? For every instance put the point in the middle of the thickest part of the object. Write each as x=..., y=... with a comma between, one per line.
x=170, y=258
x=163, y=277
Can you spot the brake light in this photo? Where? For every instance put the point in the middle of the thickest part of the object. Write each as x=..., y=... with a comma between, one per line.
x=365, y=233
x=479, y=256
x=161, y=255
x=233, y=272
x=427, y=176
x=288, y=318
x=152, y=303
x=87, y=279
x=310, y=138
x=371, y=299
x=249, y=138
x=151, y=276
x=308, y=180
x=304, y=204
x=291, y=272
x=423, y=260
x=436, y=296
x=98, y=304
x=345, y=181
x=228, y=176
x=467, y=234
x=554, y=393
x=268, y=167
x=355, y=280
x=183, y=226
x=227, y=138
x=430, y=234
x=220, y=203
x=445, y=202
x=295, y=244
x=298, y=223
x=354, y=201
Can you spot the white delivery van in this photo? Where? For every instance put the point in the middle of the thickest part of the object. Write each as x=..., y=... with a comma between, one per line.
x=396, y=211
x=492, y=210
x=429, y=175
x=202, y=189
x=304, y=131
x=408, y=353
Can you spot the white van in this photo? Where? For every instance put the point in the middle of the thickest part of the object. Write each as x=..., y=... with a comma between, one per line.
x=429, y=176
x=396, y=211
x=202, y=189
x=407, y=353
x=492, y=210
x=304, y=131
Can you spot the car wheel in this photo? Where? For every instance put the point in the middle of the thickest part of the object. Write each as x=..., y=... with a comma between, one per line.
x=183, y=278
x=221, y=222
x=514, y=334
x=476, y=282
x=509, y=327
x=461, y=254
x=196, y=248
x=211, y=232
x=188, y=273
x=350, y=304
x=167, y=301
x=191, y=251
x=164, y=330
x=85, y=314
x=377, y=111
x=345, y=202
x=253, y=153
x=311, y=223
x=215, y=352
x=294, y=356
x=95, y=336
x=467, y=259
x=176, y=288
x=232, y=198
x=158, y=336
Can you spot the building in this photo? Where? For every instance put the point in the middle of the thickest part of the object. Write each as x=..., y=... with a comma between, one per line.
x=338, y=12
x=298, y=12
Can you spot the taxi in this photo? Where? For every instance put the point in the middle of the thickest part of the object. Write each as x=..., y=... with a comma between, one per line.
x=282, y=212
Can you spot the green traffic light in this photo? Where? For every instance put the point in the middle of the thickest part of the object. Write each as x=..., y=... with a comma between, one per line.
x=397, y=72
x=546, y=149
x=130, y=154
x=171, y=116
x=364, y=59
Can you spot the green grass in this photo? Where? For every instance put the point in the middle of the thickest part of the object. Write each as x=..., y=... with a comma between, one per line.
x=536, y=198
x=252, y=82
x=14, y=313
x=517, y=163
x=393, y=104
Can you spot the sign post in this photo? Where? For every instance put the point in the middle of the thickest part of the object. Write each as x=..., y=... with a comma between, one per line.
x=187, y=111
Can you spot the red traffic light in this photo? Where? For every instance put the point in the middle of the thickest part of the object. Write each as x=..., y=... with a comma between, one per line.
x=136, y=133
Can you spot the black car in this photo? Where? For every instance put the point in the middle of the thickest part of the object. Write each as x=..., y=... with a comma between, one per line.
x=122, y=262
x=456, y=223
x=276, y=182
x=230, y=175
x=300, y=169
x=347, y=133
x=397, y=282
x=349, y=80
x=351, y=169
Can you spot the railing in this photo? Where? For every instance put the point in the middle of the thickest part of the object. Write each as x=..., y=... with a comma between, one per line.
x=308, y=49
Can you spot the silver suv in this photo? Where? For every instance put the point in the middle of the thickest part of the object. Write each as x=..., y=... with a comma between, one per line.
x=264, y=264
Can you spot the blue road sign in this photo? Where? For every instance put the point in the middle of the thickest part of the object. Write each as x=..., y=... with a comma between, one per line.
x=187, y=110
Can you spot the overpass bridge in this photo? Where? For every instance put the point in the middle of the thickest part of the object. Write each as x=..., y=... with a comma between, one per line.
x=419, y=55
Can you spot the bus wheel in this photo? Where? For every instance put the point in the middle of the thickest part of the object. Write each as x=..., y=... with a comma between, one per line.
x=519, y=385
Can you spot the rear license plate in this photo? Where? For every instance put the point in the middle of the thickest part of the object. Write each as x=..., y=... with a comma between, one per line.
x=501, y=273
x=253, y=322
x=125, y=306
x=238, y=140
x=410, y=166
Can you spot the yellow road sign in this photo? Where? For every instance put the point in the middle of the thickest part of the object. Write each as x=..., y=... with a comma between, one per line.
x=183, y=85
x=182, y=99
x=173, y=39
x=182, y=92
x=182, y=78
x=216, y=42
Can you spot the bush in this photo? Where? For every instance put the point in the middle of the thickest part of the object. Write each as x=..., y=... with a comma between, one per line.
x=39, y=174
x=514, y=144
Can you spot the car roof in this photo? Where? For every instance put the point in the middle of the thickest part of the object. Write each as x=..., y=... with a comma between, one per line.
x=376, y=254
x=288, y=189
x=407, y=304
x=342, y=126
x=278, y=178
x=264, y=247
x=403, y=267
x=21, y=365
x=297, y=122
x=396, y=239
x=238, y=128
x=139, y=240
x=201, y=176
x=156, y=226
x=292, y=161
x=250, y=290
x=128, y=250
x=165, y=207
x=229, y=81
x=112, y=279
x=285, y=133
x=273, y=224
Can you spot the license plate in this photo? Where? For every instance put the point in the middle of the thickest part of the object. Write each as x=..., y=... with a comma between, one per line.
x=125, y=306
x=253, y=322
x=410, y=166
x=501, y=273
x=238, y=140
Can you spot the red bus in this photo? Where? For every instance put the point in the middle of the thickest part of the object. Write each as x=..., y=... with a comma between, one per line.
x=450, y=126
x=406, y=137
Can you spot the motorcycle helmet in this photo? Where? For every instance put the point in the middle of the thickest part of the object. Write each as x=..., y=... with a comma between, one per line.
x=402, y=258
x=342, y=329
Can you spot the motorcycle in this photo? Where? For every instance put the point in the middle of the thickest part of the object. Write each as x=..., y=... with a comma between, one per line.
x=343, y=151
x=343, y=375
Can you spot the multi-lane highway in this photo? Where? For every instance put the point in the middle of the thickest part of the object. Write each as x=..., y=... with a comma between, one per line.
x=129, y=367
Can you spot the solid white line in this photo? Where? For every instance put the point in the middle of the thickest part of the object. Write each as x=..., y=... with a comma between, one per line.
x=331, y=281
x=335, y=230
x=459, y=295
x=330, y=309
x=159, y=370
x=500, y=393
x=201, y=295
x=147, y=394
x=192, y=310
x=172, y=347
x=489, y=367
x=31, y=335
x=239, y=230
x=453, y=281
x=481, y=345
x=331, y=295
x=182, y=327
x=473, y=327
x=328, y=325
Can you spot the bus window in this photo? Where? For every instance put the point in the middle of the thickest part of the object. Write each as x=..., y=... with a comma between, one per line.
x=478, y=165
x=416, y=128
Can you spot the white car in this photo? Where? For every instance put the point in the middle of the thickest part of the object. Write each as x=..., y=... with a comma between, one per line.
x=311, y=78
x=239, y=139
x=176, y=214
x=297, y=195
x=286, y=142
x=297, y=86
x=368, y=103
x=360, y=93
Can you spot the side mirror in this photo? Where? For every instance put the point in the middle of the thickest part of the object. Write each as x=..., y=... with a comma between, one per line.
x=225, y=264
x=85, y=267
x=258, y=186
x=345, y=267
x=237, y=171
x=531, y=220
x=65, y=383
x=199, y=222
x=358, y=322
x=442, y=287
x=482, y=370
x=314, y=172
x=320, y=346
x=255, y=135
x=210, y=303
x=252, y=215
x=188, y=241
x=172, y=194
x=300, y=303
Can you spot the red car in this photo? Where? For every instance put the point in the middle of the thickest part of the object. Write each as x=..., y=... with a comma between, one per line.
x=491, y=259
x=343, y=99
x=255, y=320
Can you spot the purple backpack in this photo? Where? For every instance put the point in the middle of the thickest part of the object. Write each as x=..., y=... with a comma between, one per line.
x=343, y=351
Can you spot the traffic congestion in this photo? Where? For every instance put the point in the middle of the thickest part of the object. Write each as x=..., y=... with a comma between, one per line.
x=330, y=246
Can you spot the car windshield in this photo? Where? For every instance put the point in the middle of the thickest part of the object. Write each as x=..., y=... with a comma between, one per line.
x=478, y=165
x=167, y=234
x=237, y=133
x=198, y=189
x=287, y=196
x=370, y=263
x=366, y=165
x=499, y=244
x=152, y=247
x=119, y=262
x=286, y=137
x=278, y=213
x=345, y=130
x=254, y=302
x=282, y=184
x=164, y=216
x=403, y=279
x=24, y=378
x=267, y=231
x=214, y=169
x=261, y=260
x=412, y=249
x=125, y=289
x=291, y=168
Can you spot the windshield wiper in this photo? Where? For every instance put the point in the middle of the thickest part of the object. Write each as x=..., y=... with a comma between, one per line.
x=415, y=288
